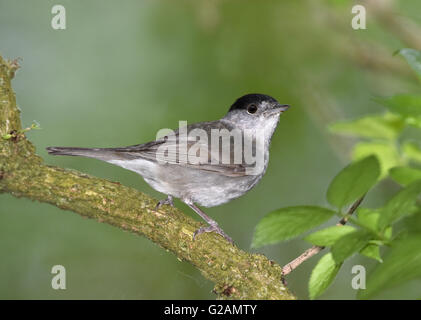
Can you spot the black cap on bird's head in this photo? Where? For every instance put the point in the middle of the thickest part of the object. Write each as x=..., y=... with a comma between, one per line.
x=255, y=102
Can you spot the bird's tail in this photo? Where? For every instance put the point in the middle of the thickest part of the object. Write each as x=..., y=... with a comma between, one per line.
x=96, y=153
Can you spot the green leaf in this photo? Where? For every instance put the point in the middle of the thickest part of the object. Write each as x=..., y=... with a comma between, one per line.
x=322, y=275
x=406, y=105
x=413, y=57
x=414, y=121
x=349, y=244
x=286, y=223
x=388, y=232
x=383, y=127
x=403, y=203
x=412, y=151
x=368, y=218
x=386, y=153
x=372, y=251
x=353, y=182
x=413, y=223
x=327, y=237
x=401, y=264
x=405, y=175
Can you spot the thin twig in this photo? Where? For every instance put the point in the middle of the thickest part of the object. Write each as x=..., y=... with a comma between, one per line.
x=288, y=268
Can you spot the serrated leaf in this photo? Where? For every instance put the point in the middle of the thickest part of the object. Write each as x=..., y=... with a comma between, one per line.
x=413, y=57
x=406, y=105
x=401, y=264
x=322, y=275
x=386, y=153
x=403, y=203
x=349, y=244
x=353, y=182
x=286, y=223
x=384, y=127
x=412, y=151
x=405, y=175
x=328, y=236
x=372, y=251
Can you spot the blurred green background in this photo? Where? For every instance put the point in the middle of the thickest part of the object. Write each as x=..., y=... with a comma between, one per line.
x=122, y=70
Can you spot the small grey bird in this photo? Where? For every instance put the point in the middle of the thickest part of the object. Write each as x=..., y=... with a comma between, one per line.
x=171, y=164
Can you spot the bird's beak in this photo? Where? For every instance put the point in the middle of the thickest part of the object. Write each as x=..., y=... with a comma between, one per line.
x=282, y=107
x=278, y=108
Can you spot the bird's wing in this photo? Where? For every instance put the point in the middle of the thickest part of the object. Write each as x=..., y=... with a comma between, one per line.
x=188, y=151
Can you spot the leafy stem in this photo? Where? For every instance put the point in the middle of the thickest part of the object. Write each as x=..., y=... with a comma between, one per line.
x=289, y=267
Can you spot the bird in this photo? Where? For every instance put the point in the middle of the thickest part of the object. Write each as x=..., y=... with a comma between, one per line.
x=202, y=164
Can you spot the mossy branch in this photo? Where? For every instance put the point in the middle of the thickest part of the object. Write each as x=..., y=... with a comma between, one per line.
x=236, y=273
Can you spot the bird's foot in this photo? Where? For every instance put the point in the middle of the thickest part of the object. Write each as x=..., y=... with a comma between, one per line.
x=212, y=228
x=168, y=200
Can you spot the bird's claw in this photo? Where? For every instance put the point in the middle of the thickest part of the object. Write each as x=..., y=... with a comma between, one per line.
x=162, y=202
x=213, y=228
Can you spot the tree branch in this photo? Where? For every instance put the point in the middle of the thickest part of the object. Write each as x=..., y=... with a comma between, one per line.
x=288, y=268
x=236, y=274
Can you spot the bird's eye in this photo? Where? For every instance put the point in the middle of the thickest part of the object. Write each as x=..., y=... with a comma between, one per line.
x=251, y=109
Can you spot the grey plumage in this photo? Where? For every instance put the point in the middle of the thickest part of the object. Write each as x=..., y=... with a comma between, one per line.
x=209, y=182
